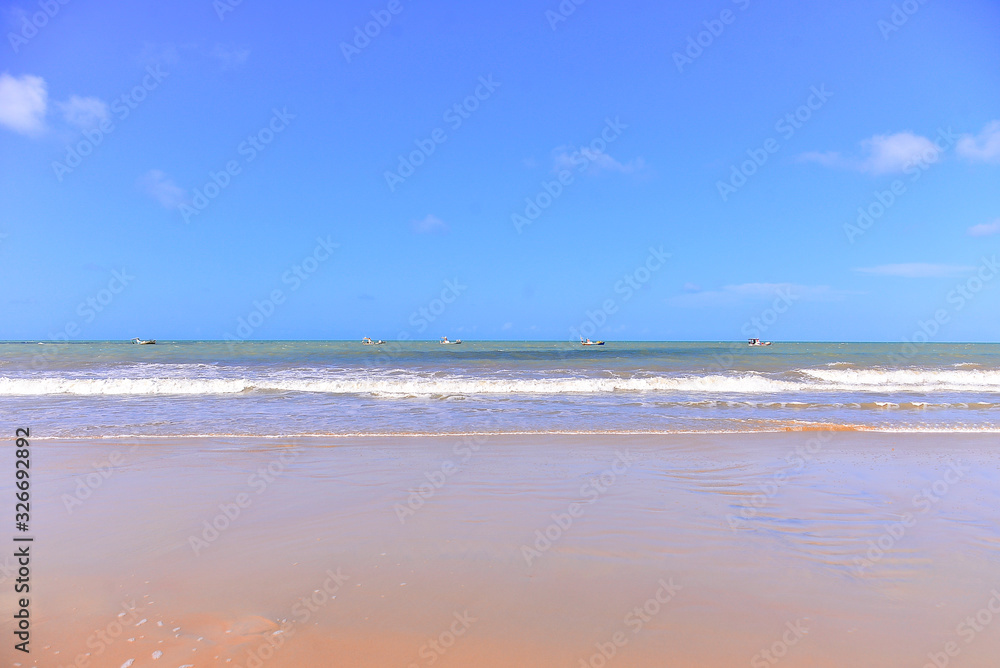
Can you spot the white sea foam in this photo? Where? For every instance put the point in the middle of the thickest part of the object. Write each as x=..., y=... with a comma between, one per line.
x=382, y=385
x=389, y=385
x=928, y=380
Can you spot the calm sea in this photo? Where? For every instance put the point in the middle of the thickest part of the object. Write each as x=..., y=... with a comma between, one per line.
x=277, y=388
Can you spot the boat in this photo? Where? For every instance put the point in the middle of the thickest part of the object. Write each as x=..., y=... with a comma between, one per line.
x=368, y=342
x=757, y=342
x=588, y=342
x=142, y=342
x=445, y=342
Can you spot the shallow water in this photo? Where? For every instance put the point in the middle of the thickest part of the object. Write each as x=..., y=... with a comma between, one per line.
x=101, y=389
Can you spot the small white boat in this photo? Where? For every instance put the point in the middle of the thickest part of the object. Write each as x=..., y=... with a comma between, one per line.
x=588, y=342
x=368, y=342
x=757, y=342
x=445, y=342
x=142, y=342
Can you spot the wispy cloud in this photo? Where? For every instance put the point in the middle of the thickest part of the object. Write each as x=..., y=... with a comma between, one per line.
x=880, y=154
x=893, y=153
x=230, y=57
x=732, y=295
x=162, y=188
x=916, y=270
x=429, y=225
x=84, y=112
x=23, y=101
x=591, y=161
x=984, y=147
x=985, y=229
x=159, y=54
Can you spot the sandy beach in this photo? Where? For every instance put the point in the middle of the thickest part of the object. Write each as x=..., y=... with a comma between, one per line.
x=553, y=334
x=804, y=549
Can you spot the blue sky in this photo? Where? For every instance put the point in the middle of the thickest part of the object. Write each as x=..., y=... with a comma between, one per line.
x=217, y=156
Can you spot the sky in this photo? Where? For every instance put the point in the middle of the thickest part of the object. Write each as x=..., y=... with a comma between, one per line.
x=528, y=170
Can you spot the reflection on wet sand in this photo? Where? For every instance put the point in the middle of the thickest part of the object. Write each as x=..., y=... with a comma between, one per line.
x=809, y=549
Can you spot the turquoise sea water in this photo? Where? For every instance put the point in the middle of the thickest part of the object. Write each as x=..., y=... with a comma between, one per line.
x=276, y=388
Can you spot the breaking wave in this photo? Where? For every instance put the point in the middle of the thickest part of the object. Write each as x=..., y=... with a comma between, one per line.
x=803, y=380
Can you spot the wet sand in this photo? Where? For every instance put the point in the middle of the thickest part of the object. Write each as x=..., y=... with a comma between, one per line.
x=799, y=549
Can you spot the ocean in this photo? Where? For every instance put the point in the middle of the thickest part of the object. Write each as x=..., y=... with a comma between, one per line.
x=284, y=388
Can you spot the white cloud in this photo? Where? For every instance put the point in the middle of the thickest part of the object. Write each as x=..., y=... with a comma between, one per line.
x=893, y=153
x=916, y=270
x=84, y=112
x=230, y=57
x=22, y=103
x=591, y=161
x=429, y=225
x=731, y=295
x=985, y=229
x=162, y=188
x=881, y=154
x=985, y=146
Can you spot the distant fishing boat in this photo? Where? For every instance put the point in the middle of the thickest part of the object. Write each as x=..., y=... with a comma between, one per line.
x=757, y=342
x=588, y=342
x=445, y=342
x=142, y=342
x=368, y=342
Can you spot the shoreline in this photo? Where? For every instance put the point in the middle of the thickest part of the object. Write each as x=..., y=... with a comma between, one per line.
x=427, y=434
